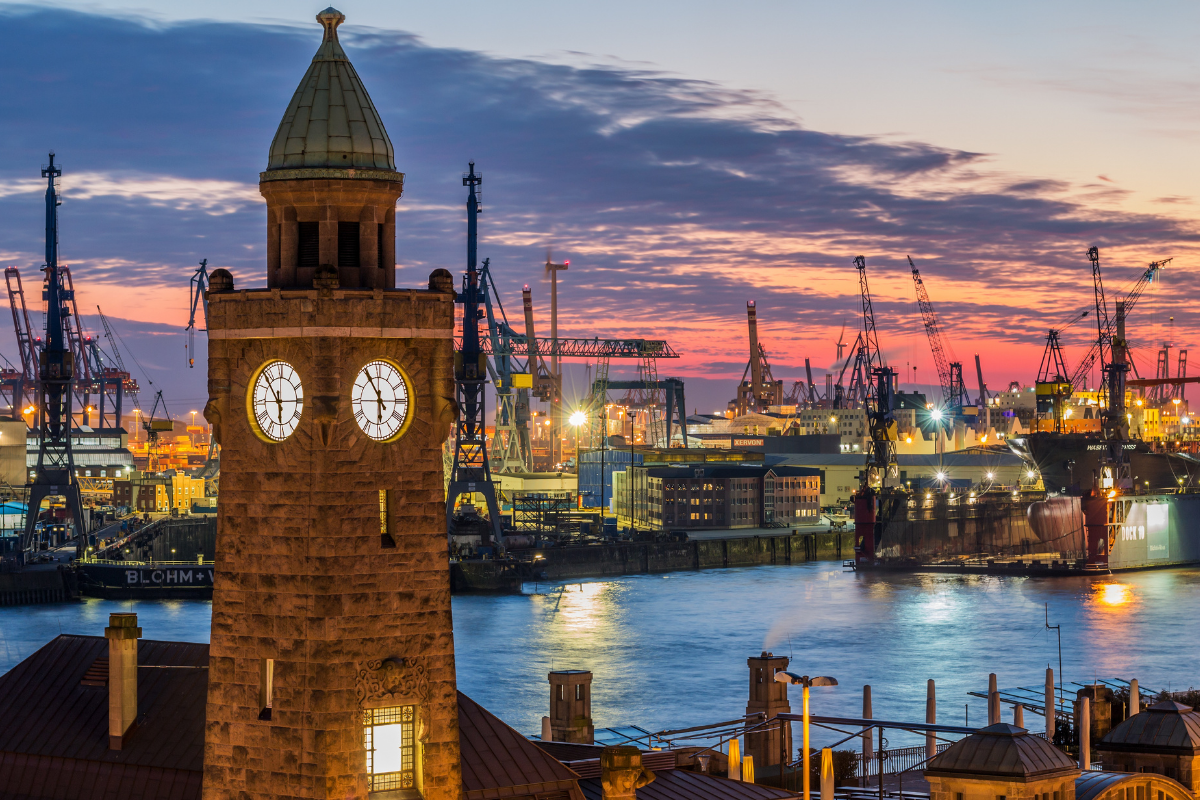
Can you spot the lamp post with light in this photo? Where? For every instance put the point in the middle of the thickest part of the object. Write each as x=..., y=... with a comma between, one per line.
x=806, y=682
x=577, y=419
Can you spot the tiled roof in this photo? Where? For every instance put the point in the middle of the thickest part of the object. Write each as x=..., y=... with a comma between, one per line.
x=1001, y=751
x=55, y=728
x=679, y=784
x=1165, y=727
x=331, y=121
x=54, y=732
x=499, y=762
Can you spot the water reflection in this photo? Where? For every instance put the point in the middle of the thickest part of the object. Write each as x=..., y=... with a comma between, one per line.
x=670, y=651
x=1114, y=594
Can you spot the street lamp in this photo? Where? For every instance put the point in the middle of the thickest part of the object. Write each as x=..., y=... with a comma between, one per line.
x=805, y=681
x=577, y=420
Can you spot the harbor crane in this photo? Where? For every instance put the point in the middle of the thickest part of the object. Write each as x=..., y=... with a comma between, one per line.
x=875, y=502
x=198, y=296
x=1053, y=386
x=950, y=373
x=54, y=473
x=762, y=390
x=1148, y=276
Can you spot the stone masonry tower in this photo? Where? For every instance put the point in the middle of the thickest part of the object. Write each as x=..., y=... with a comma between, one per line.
x=332, y=655
x=768, y=697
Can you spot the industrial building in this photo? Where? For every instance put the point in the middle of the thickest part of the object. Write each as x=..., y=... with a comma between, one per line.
x=716, y=497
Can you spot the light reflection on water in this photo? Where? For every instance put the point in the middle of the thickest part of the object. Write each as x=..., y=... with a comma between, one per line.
x=669, y=651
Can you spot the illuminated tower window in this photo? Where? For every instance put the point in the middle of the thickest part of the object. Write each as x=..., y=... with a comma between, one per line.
x=391, y=751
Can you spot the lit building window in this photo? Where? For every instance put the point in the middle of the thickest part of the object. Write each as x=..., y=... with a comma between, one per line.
x=391, y=750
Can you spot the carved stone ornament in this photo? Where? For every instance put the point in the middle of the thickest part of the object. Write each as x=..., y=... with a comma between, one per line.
x=395, y=680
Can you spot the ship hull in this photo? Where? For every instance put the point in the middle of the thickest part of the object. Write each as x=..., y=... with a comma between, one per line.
x=1071, y=463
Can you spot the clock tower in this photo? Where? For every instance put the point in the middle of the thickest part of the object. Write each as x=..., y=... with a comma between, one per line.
x=332, y=652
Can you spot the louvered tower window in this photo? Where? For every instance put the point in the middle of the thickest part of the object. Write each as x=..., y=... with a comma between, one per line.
x=348, y=244
x=309, y=244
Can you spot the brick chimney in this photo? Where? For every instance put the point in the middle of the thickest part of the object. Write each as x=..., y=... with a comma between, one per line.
x=122, y=634
x=622, y=773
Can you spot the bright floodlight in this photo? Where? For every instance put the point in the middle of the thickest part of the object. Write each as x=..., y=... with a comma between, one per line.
x=578, y=418
x=990, y=476
x=941, y=476
x=936, y=413
x=1029, y=474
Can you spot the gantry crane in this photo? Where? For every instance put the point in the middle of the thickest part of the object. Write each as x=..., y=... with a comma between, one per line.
x=1053, y=386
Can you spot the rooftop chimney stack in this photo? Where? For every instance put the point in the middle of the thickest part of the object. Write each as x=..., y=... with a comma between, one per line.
x=122, y=634
x=571, y=706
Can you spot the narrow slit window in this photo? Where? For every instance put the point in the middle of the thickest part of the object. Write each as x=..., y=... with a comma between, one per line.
x=579, y=695
x=385, y=534
x=379, y=244
x=308, y=245
x=266, y=687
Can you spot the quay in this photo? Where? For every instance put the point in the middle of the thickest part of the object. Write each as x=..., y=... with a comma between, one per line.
x=614, y=558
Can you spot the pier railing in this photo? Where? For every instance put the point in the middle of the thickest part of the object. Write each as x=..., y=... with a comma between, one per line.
x=894, y=760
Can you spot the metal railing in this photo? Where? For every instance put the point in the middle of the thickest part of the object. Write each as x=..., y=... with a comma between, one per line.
x=895, y=760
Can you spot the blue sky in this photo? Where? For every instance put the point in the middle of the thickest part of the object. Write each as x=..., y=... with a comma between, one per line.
x=685, y=157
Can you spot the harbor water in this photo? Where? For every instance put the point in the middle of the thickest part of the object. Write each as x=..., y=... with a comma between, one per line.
x=669, y=650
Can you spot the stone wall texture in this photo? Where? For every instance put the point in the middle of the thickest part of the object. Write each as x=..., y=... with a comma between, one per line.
x=303, y=576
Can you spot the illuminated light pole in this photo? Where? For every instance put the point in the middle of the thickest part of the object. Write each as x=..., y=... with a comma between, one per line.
x=806, y=682
x=578, y=419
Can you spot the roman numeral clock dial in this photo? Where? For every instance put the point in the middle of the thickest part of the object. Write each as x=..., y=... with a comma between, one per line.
x=276, y=400
x=381, y=401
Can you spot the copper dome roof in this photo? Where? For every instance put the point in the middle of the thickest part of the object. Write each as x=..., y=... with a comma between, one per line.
x=1165, y=727
x=1001, y=751
x=331, y=122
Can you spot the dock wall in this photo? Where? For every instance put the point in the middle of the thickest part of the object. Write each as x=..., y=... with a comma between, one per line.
x=631, y=558
x=37, y=586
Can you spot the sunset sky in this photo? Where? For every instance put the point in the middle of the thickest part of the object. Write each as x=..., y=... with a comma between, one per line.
x=686, y=157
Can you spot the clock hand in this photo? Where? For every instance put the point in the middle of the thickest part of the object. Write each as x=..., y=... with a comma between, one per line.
x=378, y=396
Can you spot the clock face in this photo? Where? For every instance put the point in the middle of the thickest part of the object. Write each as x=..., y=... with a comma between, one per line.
x=276, y=400
x=381, y=400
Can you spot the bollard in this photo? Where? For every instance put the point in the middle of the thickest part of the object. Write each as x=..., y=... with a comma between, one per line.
x=748, y=769
x=1135, y=699
x=993, y=701
x=1085, y=734
x=735, y=761
x=868, y=748
x=1051, y=705
x=930, y=718
x=1019, y=715
x=827, y=773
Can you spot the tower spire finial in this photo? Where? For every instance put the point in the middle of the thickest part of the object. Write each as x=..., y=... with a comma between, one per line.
x=330, y=18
